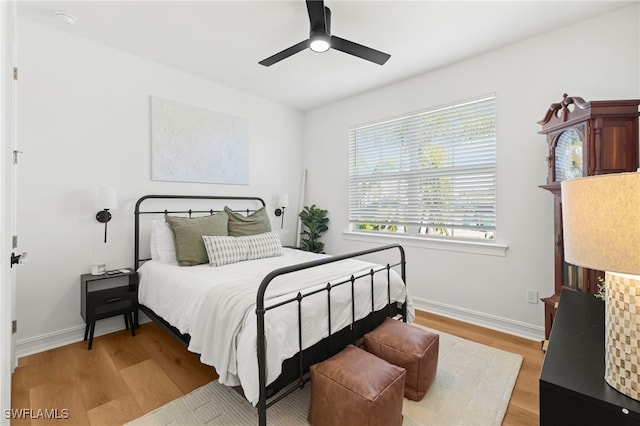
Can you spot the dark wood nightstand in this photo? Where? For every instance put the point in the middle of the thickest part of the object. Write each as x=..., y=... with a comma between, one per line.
x=107, y=295
x=573, y=390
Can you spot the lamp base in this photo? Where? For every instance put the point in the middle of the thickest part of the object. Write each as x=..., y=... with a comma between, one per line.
x=622, y=333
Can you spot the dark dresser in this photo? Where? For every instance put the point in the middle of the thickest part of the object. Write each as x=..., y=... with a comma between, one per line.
x=572, y=386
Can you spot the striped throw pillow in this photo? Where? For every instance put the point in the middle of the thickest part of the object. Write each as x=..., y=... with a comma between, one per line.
x=223, y=250
x=263, y=245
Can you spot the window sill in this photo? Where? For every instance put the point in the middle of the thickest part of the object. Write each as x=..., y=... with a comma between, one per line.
x=490, y=249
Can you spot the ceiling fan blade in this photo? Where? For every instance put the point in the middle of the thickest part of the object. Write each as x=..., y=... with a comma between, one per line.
x=285, y=53
x=359, y=50
x=317, y=17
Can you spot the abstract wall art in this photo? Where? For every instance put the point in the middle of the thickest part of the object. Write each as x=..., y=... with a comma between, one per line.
x=192, y=144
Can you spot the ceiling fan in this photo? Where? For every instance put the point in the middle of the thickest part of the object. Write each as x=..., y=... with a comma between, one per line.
x=321, y=40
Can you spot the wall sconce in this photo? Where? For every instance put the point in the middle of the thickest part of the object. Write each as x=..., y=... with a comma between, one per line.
x=283, y=202
x=601, y=227
x=106, y=200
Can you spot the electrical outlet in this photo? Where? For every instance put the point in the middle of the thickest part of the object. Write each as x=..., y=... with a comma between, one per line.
x=532, y=296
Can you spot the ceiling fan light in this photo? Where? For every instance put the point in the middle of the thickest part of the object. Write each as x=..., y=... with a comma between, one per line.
x=319, y=43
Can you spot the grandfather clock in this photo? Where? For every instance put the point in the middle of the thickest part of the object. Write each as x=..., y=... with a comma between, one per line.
x=584, y=139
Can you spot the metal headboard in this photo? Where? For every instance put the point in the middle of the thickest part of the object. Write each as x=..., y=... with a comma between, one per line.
x=139, y=211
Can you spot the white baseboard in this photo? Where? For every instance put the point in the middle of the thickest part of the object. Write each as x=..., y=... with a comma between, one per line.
x=44, y=342
x=493, y=322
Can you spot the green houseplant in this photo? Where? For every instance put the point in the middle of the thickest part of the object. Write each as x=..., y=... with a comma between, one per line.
x=602, y=290
x=314, y=223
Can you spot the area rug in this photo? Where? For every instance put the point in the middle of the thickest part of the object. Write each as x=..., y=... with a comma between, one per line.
x=473, y=386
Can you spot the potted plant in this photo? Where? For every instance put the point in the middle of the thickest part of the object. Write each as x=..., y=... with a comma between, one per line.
x=314, y=223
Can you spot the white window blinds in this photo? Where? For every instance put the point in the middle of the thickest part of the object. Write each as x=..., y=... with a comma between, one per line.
x=431, y=170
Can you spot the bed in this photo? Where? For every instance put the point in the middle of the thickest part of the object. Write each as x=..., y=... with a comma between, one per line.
x=260, y=322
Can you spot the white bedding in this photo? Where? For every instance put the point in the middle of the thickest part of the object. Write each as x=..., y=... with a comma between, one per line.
x=216, y=306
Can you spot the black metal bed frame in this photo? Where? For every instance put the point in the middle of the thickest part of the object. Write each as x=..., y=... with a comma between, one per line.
x=295, y=370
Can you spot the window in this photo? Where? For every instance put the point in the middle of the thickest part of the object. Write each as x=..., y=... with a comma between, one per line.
x=431, y=173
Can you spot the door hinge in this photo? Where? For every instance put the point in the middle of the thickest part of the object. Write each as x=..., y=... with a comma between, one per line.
x=15, y=73
x=14, y=242
x=14, y=326
x=15, y=156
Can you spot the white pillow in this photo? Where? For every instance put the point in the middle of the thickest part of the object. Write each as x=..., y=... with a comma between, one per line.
x=153, y=242
x=223, y=250
x=163, y=248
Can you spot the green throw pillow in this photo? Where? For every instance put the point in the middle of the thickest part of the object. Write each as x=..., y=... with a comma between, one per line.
x=188, y=232
x=241, y=225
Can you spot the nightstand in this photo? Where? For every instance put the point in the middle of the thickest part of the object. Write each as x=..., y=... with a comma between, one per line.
x=572, y=386
x=107, y=295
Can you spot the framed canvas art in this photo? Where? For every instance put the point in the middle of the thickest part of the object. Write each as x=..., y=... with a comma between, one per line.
x=192, y=144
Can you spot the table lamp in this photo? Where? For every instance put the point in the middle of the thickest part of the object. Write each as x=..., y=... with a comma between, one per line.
x=601, y=226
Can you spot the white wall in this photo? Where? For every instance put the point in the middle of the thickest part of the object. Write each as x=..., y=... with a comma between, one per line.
x=83, y=120
x=598, y=59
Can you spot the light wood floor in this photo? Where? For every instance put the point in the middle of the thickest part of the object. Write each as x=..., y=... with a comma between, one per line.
x=524, y=405
x=124, y=377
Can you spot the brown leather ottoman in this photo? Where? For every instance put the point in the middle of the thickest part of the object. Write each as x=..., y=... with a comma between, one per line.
x=355, y=387
x=409, y=347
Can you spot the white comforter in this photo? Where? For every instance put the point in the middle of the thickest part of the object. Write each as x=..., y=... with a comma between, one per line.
x=216, y=306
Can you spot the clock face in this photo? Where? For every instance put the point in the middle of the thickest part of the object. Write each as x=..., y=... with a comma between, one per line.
x=568, y=156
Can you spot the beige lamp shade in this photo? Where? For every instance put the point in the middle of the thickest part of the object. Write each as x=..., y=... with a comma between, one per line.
x=601, y=222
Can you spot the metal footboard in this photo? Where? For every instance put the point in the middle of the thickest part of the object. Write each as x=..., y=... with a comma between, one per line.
x=261, y=310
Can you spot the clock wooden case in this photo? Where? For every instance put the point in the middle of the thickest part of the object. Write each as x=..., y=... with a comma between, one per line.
x=584, y=139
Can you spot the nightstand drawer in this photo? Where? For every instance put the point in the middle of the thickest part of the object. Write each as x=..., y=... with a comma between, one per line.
x=108, y=295
x=113, y=299
x=116, y=304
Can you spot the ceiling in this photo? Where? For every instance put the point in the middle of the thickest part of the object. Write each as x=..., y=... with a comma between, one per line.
x=223, y=41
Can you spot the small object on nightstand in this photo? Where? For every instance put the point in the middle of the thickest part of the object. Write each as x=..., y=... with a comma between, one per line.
x=108, y=295
x=98, y=268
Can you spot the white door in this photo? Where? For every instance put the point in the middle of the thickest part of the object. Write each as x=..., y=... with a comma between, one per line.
x=8, y=246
